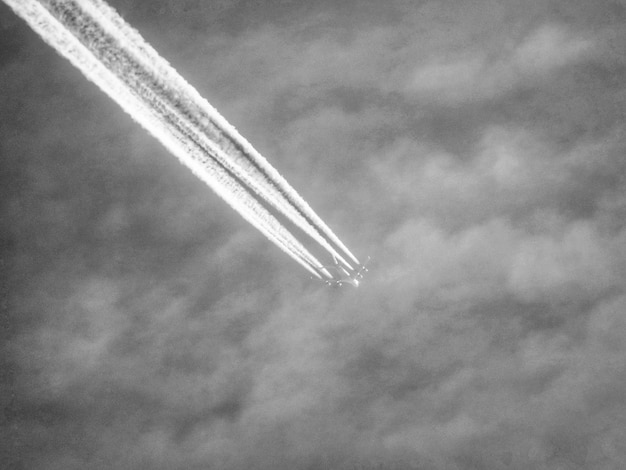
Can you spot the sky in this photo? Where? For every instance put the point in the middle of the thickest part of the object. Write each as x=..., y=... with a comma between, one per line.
x=474, y=149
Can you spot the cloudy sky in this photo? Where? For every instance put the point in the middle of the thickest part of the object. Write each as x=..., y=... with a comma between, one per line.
x=475, y=149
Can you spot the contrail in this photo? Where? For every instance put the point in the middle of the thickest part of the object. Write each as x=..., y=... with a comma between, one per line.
x=241, y=158
x=100, y=58
x=122, y=50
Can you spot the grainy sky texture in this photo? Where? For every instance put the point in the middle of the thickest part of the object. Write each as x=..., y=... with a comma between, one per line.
x=475, y=149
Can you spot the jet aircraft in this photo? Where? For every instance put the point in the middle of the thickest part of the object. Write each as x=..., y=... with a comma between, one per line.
x=344, y=276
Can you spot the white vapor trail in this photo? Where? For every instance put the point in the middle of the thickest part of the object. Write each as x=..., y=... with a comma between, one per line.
x=239, y=157
x=99, y=52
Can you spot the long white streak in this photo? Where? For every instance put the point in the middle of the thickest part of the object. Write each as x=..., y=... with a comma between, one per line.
x=127, y=91
x=204, y=120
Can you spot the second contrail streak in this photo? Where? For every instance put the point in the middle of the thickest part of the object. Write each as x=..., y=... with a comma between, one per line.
x=240, y=157
x=115, y=57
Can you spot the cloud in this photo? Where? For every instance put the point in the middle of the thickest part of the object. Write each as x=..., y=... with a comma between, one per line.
x=487, y=74
x=475, y=153
x=578, y=264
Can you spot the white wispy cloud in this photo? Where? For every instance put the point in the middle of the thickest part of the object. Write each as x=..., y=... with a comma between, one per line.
x=483, y=74
x=147, y=328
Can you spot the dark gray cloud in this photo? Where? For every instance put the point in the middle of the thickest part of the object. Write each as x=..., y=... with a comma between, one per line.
x=474, y=149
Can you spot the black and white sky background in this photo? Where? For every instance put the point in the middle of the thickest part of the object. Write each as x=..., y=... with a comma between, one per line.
x=475, y=149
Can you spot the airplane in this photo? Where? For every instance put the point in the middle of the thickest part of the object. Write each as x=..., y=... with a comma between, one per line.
x=345, y=277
